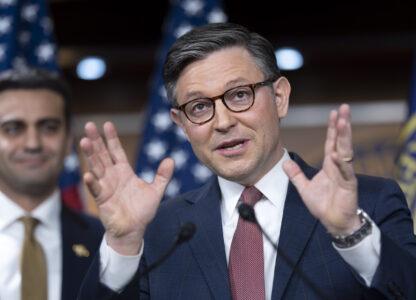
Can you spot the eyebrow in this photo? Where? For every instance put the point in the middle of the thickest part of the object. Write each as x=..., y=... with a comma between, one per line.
x=236, y=82
x=230, y=84
x=38, y=122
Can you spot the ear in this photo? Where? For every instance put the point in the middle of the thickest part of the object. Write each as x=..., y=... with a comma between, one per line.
x=282, y=89
x=178, y=119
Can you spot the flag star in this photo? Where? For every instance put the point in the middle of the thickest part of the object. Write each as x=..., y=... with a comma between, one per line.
x=193, y=7
x=200, y=172
x=7, y=2
x=155, y=150
x=216, y=15
x=45, y=52
x=3, y=48
x=19, y=63
x=47, y=25
x=24, y=37
x=161, y=120
x=180, y=157
x=162, y=93
x=71, y=162
x=5, y=24
x=30, y=12
x=180, y=134
x=173, y=188
x=147, y=175
x=182, y=29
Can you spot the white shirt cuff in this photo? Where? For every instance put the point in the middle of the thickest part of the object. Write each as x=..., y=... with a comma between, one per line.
x=117, y=270
x=364, y=257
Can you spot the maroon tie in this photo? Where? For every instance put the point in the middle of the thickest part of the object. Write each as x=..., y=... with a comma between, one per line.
x=246, y=264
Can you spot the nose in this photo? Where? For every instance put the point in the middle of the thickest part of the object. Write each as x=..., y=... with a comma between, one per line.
x=224, y=118
x=32, y=140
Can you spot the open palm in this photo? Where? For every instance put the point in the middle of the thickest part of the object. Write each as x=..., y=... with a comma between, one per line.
x=331, y=195
x=126, y=203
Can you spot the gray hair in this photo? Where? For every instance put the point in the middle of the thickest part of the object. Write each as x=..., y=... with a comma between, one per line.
x=201, y=41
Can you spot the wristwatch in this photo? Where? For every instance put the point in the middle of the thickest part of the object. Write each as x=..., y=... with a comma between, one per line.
x=352, y=239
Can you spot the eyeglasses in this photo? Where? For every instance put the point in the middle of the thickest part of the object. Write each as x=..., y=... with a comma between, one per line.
x=202, y=110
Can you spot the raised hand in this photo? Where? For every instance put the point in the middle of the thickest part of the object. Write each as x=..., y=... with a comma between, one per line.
x=126, y=204
x=331, y=195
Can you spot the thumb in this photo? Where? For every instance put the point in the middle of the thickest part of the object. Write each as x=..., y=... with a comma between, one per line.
x=295, y=174
x=163, y=175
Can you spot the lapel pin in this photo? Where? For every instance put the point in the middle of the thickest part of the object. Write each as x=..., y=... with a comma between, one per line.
x=80, y=250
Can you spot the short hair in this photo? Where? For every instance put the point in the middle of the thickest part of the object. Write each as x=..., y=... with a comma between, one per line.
x=199, y=42
x=34, y=78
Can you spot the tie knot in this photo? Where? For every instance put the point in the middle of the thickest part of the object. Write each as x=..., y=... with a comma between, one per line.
x=29, y=223
x=251, y=195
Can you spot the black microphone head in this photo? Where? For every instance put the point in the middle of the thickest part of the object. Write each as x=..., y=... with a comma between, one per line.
x=186, y=232
x=247, y=212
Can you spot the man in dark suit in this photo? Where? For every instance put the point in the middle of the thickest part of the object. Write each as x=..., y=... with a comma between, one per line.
x=340, y=235
x=35, y=138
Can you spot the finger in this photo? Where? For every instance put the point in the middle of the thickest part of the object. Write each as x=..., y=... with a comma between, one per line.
x=114, y=146
x=86, y=147
x=94, y=164
x=92, y=184
x=163, y=175
x=295, y=174
x=345, y=168
x=98, y=144
x=344, y=138
x=331, y=133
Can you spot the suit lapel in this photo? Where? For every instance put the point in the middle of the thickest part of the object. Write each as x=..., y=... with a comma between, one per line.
x=208, y=244
x=297, y=227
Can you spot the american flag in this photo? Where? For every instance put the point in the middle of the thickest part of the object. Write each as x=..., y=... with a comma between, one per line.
x=161, y=137
x=27, y=39
x=26, y=35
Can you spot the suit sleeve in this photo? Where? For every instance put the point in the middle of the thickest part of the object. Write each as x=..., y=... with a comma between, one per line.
x=93, y=289
x=396, y=273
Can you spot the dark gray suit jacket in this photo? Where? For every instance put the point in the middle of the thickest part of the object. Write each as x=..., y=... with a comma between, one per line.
x=77, y=229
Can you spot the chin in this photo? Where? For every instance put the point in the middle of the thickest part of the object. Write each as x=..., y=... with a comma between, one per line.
x=235, y=174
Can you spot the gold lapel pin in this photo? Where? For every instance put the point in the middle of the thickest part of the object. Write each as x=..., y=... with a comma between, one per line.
x=80, y=250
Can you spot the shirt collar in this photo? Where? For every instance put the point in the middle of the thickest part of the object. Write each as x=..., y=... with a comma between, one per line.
x=276, y=193
x=48, y=212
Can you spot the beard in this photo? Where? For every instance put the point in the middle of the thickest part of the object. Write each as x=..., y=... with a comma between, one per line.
x=36, y=181
x=39, y=187
x=36, y=185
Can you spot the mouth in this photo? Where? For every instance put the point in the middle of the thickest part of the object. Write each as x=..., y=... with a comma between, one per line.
x=32, y=162
x=232, y=146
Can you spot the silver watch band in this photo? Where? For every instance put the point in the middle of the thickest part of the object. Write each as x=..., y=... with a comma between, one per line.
x=352, y=239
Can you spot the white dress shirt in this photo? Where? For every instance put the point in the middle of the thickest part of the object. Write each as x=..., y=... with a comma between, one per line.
x=363, y=257
x=48, y=234
x=269, y=214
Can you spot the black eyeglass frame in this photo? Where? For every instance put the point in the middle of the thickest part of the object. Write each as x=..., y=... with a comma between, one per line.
x=252, y=86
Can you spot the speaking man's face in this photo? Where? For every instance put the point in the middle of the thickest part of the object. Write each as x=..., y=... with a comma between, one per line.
x=238, y=146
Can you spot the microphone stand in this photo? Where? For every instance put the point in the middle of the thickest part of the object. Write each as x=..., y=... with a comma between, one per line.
x=185, y=233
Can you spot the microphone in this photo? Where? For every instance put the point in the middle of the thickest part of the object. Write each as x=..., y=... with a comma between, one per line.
x=185, y=233
x=247, y=213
